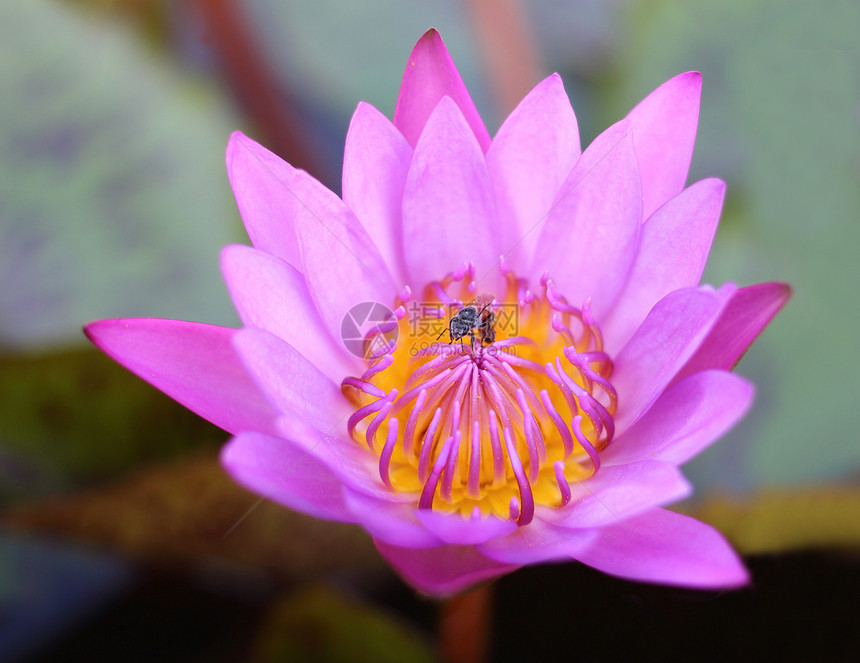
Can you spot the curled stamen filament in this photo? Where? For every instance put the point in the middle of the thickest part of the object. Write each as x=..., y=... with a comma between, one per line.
x=495, y=429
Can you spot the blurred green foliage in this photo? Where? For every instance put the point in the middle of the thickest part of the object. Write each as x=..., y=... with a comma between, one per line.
x=113, y=196
x=150, y=18
x=77, y=416
x=780, y=521
x=180, y=514
x=320, y=624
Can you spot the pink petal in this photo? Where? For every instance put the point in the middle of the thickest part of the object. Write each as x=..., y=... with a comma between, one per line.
x=356, y=465
x=193, y=363
x=615, y=493
x=664, y=130
x=284, y=472
x=269, y=194
x=589, y=240
x=291, y=215
x=294, y=385
x=430, y=75
x=539, y=541
x=669, y=336
x=672, y=254
x=392, y=522
x=444, y=570
x=271, y=294
x=686, y=419
x=375, y=161
x=744, y=317
x=454, y=528
x=668, y=548
x=448, y=207
x=532, y=153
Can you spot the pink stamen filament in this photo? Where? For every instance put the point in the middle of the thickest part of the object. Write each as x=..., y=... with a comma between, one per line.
x=387, y=451
x=563, y=485
x=492, y=422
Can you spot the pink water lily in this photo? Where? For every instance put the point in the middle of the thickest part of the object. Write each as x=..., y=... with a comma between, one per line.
x=552, y=428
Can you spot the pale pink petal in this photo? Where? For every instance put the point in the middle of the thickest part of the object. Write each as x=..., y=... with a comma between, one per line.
x=193, y=363
x=615, y=493
x=669, y=336
x=665, y=547
x=269, y=193
x=664, y=130
x=687, y=418
x=281, y=471
x=375, y=161
x=291, y=215
x=589, y=240
x=294, y=385
x=539, y=541
x=271, y=294
x=430, y=75
x=672, y=254
x=392, y=522
x=355, y=464
x=448, y=206
x=743, y=318
x=532, y=153
x=444, y=570
x=454, y=528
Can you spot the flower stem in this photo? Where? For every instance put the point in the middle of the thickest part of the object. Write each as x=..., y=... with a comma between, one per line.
x=465, y=625
x=258, y=92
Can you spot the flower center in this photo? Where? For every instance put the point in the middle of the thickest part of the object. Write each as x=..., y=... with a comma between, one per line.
x=481, y=404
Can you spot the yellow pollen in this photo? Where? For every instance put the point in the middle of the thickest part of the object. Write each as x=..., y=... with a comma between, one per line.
x=497, y=424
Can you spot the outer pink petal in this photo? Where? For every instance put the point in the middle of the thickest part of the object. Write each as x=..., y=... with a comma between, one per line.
x=448, y=206
x=615, y=493
x=392, y=522
x=444, y=570
x=430, y=75
x=271, y=294
x=539, y=541
x=744, y=317
x=532, y=153
x=664, y=130
x=284, y=472
x=590, y=238
x=291, y=215
x=454, y=528
x=193, y=363
x=672, y=254
x=294, y=385
x=375, y=161
x=668, y=548
x=688, y=417
x=669, y=336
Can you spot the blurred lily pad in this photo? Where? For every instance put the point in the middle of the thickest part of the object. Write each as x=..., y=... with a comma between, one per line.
x=182, y=513
x=319, y=624
x=149, y=17
x=113, y=197
x=76, y=416
x=783, y=521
